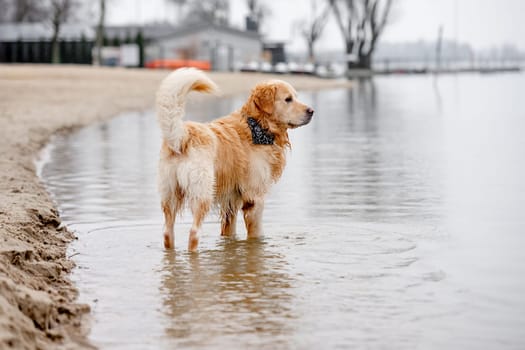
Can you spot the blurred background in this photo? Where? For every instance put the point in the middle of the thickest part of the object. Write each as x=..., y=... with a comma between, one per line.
x=329, y=38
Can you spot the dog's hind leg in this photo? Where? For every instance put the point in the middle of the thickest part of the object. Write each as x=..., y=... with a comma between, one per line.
x=169, y=221
x=195, y=177
x=172, y=199
x=171, y=207
x=200, y=189
x=199, y=209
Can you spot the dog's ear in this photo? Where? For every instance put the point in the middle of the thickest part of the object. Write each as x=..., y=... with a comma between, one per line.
x=263, y=96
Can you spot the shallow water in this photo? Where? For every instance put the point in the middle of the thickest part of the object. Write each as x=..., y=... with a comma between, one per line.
x=398, y=223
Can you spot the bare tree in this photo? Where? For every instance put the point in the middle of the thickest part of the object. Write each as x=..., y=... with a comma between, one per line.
x=361, y=23
x=311, y=30
x=5, y=6
x=100, y=31
x=29, y=11
x=59, y=12
x=257, y=12
x=22, y=11
x=211, y=11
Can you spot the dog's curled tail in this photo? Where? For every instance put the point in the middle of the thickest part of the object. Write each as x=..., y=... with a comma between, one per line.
x=171, y=101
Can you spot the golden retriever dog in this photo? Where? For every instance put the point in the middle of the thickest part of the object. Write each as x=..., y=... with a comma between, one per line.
x=230, y=162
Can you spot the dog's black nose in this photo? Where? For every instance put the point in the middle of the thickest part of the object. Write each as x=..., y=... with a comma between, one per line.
x=310, y=112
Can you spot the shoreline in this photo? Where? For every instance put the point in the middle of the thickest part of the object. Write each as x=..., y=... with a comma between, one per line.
x=38, y=307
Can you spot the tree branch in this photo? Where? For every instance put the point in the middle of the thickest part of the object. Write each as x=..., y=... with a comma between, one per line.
x=337, y=13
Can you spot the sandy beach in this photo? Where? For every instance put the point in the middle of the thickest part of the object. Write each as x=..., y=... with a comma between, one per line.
x=38, y=308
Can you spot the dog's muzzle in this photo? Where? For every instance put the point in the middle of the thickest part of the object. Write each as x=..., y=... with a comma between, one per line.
x=308, y=116
x=306, y=119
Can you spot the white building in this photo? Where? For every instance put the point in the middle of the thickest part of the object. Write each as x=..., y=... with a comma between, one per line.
x=226, y=48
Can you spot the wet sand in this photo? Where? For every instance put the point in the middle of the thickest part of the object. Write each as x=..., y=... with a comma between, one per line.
x=38, y=307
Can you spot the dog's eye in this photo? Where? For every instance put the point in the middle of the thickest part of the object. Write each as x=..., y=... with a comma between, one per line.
x=288, y=99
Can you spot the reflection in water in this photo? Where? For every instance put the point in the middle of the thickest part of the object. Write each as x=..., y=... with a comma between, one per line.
x=240, y=279
x=397, y=224
x=367, y=165
x=437, y=94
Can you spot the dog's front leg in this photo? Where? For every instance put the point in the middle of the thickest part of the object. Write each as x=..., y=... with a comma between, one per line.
x=228, y=223
x=252, y=211
x=229, y=216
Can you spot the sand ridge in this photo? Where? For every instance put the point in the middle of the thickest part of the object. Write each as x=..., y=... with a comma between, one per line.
x=38, y=308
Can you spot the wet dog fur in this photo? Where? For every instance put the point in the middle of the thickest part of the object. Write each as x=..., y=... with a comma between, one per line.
x=217, y=163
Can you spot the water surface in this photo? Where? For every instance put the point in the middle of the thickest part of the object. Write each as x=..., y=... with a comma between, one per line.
x=398, y=223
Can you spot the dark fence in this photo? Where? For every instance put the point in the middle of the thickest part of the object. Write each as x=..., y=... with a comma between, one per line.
x=78, y=52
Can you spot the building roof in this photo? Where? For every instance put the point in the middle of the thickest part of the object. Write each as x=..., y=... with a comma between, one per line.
x=149, y=31
x=43, y=31
x=166, y=31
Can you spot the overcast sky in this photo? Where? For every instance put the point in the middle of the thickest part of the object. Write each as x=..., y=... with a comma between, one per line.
x=482, y=23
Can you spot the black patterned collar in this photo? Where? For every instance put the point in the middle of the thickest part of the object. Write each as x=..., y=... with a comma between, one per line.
x=260, y=136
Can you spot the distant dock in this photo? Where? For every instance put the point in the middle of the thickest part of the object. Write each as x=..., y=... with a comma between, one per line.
x=484, y=70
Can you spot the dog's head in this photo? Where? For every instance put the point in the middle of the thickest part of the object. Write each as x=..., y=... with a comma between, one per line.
x=276, y=102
